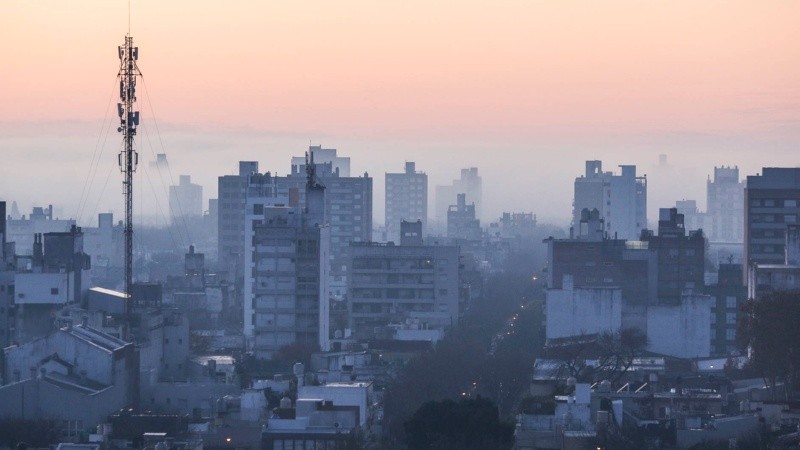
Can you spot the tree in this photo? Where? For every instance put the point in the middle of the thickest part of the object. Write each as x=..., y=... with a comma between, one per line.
x=614, y=353
x=618, y=350
x=464, y=424
x=769, y=329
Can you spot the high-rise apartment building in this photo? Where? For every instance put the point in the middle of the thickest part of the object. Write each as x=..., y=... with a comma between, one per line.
x=771, y=204
x=620, y=199
x=339, y=165
x=232, y=193
x=469, y=184
x=406, y=199
x=286, y=274
x=461, y=220
x=348, y=207
x=725, y=205
x=185, y=199
x=392, y=283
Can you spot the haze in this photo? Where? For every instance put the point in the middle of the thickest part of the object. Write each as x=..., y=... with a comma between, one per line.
x=526, y=91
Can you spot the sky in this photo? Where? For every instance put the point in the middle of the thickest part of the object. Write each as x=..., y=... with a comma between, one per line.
x=524, y=90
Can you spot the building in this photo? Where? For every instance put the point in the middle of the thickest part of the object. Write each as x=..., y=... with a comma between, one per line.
x=620, y=199
x=54, y=276
x=76, y=374
x=40, y=221
x=406, y=199
x=8, y=261
x=391, y=283
x=771, y=200
x=681, y=256
x=286, y=278
x=729, y=295
x=185, y=200
x=693, y=218
x=597, y=284
x=104, y=245
x=462, y=222
x=470, y=184
x=766, y=278
x=514, y=226
x=322, y=417
x=348, y=208
x=232, y=198
x=340, y=165
x=725, y=196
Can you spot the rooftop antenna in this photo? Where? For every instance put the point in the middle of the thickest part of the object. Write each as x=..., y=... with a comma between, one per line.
x=128, y=158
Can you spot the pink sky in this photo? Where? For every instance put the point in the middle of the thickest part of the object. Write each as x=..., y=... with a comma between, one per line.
x=456, y=76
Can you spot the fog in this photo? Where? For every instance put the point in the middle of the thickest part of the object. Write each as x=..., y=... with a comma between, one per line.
x=48, y=164
x=525, y=92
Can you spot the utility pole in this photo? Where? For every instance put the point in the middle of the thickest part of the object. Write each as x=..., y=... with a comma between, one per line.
x=128, y=158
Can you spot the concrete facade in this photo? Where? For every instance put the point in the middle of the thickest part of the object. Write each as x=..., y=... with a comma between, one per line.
x=659, y=281
x=389, y=283
x=585, y=311
x=287, y=274
x=406, y=199
x=682, y=331
x=40, y=221
x=620, y=199
x=462, y=222
x=725, y=200
x=185, y=200
x=470, y=184
x=772, y=201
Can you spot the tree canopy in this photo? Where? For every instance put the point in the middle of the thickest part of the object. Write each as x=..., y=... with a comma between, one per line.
x=769, y=329
x=464, y=424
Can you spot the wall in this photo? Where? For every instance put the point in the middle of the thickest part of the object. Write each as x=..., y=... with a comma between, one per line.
x=682, y=331
x=582, y=311
x=37, y=288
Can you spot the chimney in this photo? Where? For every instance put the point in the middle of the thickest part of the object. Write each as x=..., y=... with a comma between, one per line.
x=38, y=250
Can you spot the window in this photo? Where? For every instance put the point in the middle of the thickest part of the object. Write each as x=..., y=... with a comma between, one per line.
x=730, y=302
x=53, y=291
x=790, y=203
x=730, y=334
x=730, y=318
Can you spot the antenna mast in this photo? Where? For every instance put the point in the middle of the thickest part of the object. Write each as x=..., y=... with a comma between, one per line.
x=128, y=158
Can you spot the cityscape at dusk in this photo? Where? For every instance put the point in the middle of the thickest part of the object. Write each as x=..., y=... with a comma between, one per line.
x=364, y=225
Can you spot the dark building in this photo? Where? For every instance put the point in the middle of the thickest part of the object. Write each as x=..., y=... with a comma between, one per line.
x=771, y=203
x=729, y=293
x=594, y=260
x=680, y=256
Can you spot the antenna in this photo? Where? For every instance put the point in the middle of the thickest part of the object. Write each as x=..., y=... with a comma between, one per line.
x=128, y=158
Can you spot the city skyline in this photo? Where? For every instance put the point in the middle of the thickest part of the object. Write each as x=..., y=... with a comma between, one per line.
x=514, y=90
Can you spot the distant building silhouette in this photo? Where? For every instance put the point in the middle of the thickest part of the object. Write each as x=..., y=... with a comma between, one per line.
x=406, y=199
x=620, y=199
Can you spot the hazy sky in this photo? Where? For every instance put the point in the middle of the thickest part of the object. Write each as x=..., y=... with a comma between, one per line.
x=525, y=90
